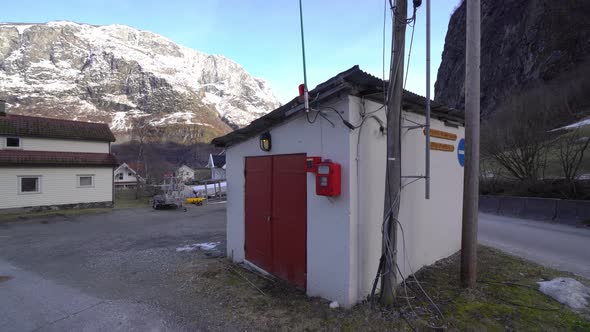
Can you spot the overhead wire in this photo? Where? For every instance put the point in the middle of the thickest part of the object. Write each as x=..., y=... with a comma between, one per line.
x=385, y=227
x=410, y=52
x=388, y=218
x=394, y=202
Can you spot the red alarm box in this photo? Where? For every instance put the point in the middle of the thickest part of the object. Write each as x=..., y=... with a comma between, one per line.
x=327, y=179
x=311, y=164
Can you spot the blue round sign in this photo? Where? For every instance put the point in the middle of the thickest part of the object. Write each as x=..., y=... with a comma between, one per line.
x=461, y=152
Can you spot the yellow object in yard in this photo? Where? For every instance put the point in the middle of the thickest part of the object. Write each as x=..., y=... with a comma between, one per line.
x=195, y=200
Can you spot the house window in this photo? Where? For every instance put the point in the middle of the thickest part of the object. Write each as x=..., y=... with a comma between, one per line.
x=85, y=181
x=120, y=176
x=12, y=142
x=30, y=184
x=129, y=174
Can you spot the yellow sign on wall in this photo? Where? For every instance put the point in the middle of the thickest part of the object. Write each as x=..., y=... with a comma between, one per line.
x=441, y=134
x=441, y=147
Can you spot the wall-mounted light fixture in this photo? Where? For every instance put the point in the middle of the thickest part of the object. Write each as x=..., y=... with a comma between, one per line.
x=265, y=142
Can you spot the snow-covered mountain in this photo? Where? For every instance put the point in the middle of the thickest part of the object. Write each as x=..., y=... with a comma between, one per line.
x=114, y=73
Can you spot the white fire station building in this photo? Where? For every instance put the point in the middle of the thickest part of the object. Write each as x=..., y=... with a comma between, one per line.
x=286, y=215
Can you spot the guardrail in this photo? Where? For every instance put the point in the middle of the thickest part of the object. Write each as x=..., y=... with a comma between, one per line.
x=547, y=209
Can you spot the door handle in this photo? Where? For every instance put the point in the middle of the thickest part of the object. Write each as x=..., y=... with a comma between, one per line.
x=267, y=218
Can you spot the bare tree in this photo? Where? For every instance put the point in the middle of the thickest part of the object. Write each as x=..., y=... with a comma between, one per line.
x=571, y=148
x=141, y=131
x=517, y=136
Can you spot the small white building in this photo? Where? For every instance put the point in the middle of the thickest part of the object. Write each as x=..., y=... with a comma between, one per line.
x=49, y=162
x=185, y=173
x=331, y=246
x=217, y=165
x=126, y=177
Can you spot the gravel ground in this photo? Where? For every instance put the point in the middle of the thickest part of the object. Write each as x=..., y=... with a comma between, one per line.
x=121, y=262
x=121, y=271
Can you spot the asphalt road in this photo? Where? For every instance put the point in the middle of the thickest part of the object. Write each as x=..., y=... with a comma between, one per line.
x=115, y=271
x=562, y=247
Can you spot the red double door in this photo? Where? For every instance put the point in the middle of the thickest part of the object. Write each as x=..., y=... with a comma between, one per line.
x=276, y=216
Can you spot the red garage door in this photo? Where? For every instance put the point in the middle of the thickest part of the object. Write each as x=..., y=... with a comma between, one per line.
x=276, y=215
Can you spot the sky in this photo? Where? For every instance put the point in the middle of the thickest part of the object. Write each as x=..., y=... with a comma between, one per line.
x=264, y=35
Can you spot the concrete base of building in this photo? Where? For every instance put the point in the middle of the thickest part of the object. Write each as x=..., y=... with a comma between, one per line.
x=90, y=205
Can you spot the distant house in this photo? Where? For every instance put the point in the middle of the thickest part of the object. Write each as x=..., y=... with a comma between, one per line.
x=126, y=177
x=185, y=173
x=49, y=162
x=217, y=165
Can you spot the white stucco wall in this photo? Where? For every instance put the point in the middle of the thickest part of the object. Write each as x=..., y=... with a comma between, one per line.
x=432, y=227
x=367, y=157
x=327, y=218
x=50, y=144
x=344, y=233
x=58, y=186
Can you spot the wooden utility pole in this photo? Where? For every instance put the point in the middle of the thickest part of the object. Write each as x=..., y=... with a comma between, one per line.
x=471, y=172
x=393, y=162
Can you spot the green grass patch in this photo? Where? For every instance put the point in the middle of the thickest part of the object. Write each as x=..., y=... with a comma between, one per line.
x=505, y=298
x=125, y=201
x=51, y=213
x=129, y=199
x=131, y=202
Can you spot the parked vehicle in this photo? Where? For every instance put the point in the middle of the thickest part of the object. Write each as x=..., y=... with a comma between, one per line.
x=173, y=194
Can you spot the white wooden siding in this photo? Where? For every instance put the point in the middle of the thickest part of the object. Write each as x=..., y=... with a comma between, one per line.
x=126, y=176
x=58, y=186
x=64, y=145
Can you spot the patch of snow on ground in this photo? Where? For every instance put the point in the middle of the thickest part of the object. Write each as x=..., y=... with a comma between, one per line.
x=583, y=123
x=195, y=246
x=567, y=291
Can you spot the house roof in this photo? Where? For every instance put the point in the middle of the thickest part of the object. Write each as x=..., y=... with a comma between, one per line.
x=131, y=169
x=51, y=158
x=30, y=126
x=135, y=167
x=186, y=167
x=218, y=160
x=353, y=81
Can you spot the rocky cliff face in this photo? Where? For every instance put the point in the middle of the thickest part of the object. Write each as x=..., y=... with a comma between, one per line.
x=525, y=44
x=115, y=73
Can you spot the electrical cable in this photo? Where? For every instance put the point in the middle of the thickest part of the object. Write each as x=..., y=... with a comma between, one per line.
x=325, y=117
x=409, y=183
x=389, y=251
x=412, y=270
x=410, y=53
x=314, y=119
x=332, y=109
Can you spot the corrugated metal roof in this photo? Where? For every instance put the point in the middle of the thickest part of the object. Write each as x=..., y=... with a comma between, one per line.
x=355, y=82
